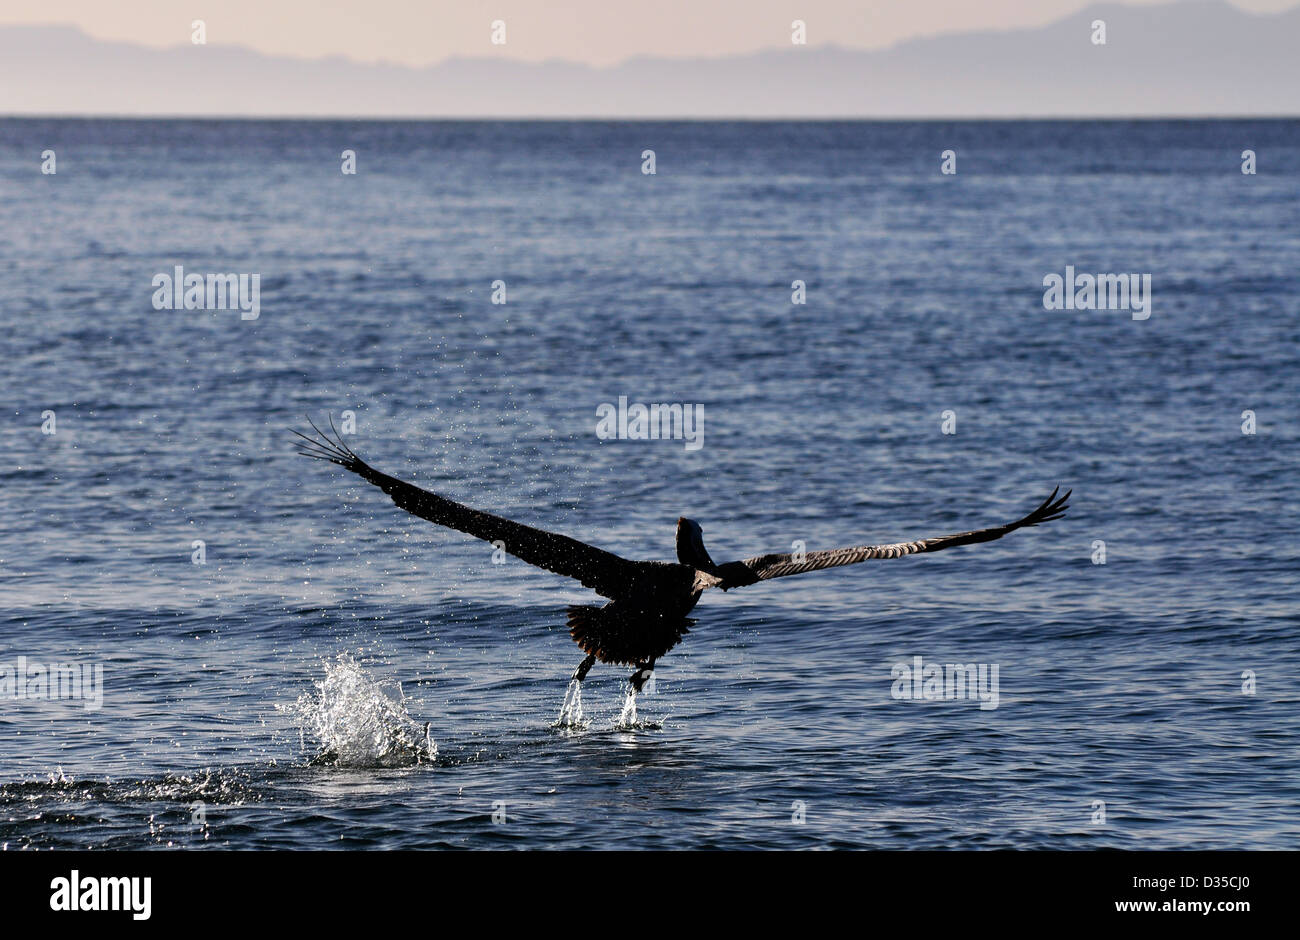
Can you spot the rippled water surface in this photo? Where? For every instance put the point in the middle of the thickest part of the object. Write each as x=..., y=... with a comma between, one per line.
x=278, y=696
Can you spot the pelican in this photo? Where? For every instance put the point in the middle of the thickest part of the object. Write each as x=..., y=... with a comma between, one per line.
x=648, y=601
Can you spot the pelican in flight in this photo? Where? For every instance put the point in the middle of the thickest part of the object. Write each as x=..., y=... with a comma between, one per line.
x=648, y=601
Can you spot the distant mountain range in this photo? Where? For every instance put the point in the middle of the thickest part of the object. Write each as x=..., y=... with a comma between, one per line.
x=1202, y=58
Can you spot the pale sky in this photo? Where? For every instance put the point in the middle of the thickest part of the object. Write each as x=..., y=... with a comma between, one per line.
x=596, y=32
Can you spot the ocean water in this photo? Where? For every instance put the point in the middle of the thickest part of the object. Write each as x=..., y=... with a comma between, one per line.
x=326, y=621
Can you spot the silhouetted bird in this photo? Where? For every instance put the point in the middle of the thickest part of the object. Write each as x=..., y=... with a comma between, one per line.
x=648, y=600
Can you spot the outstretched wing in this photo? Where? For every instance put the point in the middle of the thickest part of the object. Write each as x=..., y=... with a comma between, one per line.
x=602, y=571
x=764, y=567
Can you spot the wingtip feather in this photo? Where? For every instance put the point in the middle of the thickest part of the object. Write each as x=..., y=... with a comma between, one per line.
x=325, y=447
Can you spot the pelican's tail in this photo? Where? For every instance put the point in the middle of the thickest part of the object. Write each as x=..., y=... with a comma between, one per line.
x=623, y=637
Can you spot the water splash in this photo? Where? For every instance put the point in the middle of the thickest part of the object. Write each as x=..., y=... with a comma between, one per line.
x=571, y=714
x=356, y=722
x=627, y=717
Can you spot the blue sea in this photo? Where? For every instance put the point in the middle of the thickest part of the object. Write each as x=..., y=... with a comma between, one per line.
x=339, y=674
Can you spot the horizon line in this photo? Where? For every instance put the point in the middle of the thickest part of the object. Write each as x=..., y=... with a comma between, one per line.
x=695, y=119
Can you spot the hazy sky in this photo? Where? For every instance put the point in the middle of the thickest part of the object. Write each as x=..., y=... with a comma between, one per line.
x=598, y=32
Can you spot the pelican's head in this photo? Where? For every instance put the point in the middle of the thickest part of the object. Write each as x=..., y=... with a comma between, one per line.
x=690, y=545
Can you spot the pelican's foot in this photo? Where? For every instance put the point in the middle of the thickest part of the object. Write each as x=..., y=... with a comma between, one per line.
x=643, y=678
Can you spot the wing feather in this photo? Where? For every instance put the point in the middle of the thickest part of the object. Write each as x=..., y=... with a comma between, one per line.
x=602, y=571
x=766, y=567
